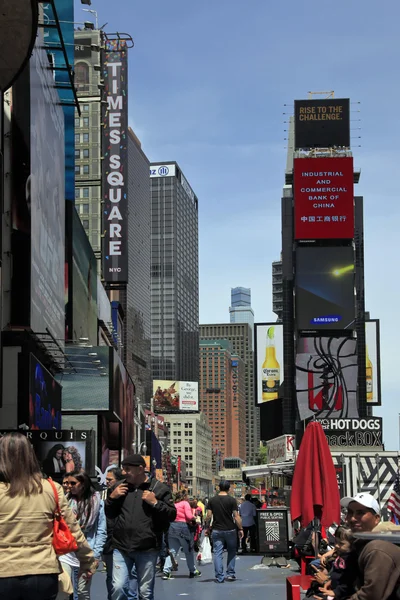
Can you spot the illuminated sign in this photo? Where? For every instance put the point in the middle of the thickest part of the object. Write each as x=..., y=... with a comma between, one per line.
x=322, y=123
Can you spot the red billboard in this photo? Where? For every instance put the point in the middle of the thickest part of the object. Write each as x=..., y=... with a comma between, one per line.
x=323, y=198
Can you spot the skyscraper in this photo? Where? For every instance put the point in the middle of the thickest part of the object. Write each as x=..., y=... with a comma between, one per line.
x=222, y=399
x=240, y=309
x=241, y=337
x=174, y=275
x=277, y=289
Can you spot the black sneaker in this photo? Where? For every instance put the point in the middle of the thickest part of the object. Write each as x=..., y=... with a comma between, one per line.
x=197, y=573
x=231, y=578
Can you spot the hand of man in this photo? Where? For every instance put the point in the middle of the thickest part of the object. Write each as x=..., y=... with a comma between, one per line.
x=320, y=575
x=119, y=491
x=241, y=534
x=149, y=497
x=326, y=589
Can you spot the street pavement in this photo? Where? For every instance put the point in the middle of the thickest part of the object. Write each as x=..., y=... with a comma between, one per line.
x=251, y=584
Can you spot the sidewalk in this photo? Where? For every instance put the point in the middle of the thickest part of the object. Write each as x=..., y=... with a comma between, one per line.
x=251, y=584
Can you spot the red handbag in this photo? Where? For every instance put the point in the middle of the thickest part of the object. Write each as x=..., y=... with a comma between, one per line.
x=63, y=540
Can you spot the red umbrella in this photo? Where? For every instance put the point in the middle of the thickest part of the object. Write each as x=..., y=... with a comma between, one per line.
x=315, y=492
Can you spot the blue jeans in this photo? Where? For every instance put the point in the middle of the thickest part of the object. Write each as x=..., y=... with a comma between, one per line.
x=180, y=535
x=126, y=567
x=108, y=561
x=219, y=539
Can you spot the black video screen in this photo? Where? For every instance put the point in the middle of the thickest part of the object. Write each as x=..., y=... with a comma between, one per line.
x=322, y=123
x=325, y=288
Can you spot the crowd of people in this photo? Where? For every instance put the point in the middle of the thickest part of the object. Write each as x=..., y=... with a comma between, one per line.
x=136, y=526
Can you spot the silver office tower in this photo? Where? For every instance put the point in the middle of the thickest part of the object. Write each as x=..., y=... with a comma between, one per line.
x=174, y=275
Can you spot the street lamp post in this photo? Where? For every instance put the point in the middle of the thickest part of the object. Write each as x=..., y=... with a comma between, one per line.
x=93, y=12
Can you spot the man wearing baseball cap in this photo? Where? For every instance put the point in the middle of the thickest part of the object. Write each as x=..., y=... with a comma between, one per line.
x=378, y=575
x=141, y=509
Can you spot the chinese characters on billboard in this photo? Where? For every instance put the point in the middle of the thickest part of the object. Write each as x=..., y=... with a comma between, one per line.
x=268, y=362
x=44, y=398
x=323, y=198
x=325, y=288
x=115, y=165
x=322, y=123
x=175, y=396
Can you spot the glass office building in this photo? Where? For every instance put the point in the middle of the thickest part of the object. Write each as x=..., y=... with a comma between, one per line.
x=174, y=275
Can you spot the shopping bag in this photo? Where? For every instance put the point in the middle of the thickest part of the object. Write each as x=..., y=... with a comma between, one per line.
x=205, y=552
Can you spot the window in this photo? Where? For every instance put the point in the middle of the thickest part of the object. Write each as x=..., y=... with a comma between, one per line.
x=85, y=209
x=86, y=192
x=77, y=138
x=77, y=154
x=86, y=137
x=86, y=121
x=77, y=193
x=86, y=153
x=85, y=223
x=86, y=108
x=77, y=169
x=86, y=169
x=77, y=123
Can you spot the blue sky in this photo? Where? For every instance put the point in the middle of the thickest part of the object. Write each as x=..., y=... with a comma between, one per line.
x=209, y=81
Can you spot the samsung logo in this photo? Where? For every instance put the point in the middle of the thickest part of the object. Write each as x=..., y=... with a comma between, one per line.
x=323, y=320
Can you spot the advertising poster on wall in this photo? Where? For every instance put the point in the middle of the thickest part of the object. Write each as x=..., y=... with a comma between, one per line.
x=268, y=357
x=123, y=403
x=44, y=398
x=175, y=396
x=373, y=363
x=326, y=377
x=85, y=381
x=325, y=288
x=322, y=123
x=115, y=164
x=323, y=198
x=46, y=189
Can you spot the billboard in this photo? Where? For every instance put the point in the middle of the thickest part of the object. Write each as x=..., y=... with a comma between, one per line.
x=323, y=192
x=322, y=123
x=175, y=396
x=353, y=433
x=373, y=363
x=325, y=288
x=326, y=377
x=115, y=163
x=44, y=397
x=47, y=200
x=122, y=392
x=163, y=171
x=85, y=380
x=268, y=359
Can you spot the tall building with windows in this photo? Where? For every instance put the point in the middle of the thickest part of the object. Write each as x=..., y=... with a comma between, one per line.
x=241, y=338
x=240, y=310
x=222, y=399
x=174, y=275
x=277, y=289
x=88, y=134
x=190, y=438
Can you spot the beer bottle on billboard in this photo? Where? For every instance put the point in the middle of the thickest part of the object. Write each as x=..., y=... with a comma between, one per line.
x=369, y=377
x=270, y=369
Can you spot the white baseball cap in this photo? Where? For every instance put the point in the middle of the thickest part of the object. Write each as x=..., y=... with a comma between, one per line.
x=365, y=499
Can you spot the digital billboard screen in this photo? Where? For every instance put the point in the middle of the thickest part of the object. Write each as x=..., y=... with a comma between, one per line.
x=46, y=189
x=268, y=359
x=373, y=363
x=175, y=396
x=322, y=123
x=325, y=288
x=323, y=198
x=326, y=377
x=44, y=397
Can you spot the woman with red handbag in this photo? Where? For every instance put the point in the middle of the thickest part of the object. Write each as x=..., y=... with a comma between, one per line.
x=34, y=526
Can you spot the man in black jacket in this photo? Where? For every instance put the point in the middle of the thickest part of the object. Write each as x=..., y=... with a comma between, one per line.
x=142, y=509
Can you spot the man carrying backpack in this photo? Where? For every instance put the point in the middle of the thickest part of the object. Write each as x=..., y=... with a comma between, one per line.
x=142, y=509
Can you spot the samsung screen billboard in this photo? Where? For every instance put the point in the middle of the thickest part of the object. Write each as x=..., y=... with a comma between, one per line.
x=115, y=162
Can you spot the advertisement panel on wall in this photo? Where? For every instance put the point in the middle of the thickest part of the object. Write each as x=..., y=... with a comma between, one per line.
x=44, y=397
x=323, y=193
x=175, y=396
x=281, y=449
x=325, y=288
x=115, y=163
x=47, y=200
x=322, y=123
x=65, y=12
x=268, y=360
x=61, y=452
x=373, y=362
x=326, y=377
x=84, y=284
x=350, y=433
x=122, y=393
x=162, y=171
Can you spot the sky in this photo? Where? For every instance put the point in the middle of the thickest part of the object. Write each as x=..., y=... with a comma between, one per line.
x=211, y=84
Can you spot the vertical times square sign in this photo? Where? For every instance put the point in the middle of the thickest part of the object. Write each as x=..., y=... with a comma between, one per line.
x=115, y=162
